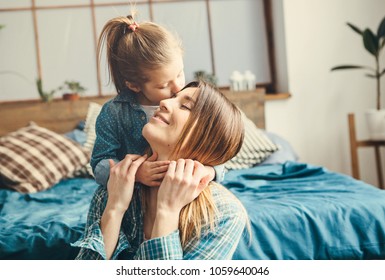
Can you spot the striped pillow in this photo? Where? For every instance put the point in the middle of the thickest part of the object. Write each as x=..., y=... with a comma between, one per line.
x=34, y=158
x=89, y=128
x=256, y=147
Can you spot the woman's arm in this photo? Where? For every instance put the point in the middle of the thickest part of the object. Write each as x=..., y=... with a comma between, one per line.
x=120, y=189
x=183, y=182
x=217, y=244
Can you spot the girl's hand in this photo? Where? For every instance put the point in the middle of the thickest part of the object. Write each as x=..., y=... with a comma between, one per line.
x=120, y=185
x=183, y=182
x=151, y=172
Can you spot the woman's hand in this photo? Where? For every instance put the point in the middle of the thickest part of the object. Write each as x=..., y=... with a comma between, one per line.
x=183, y=182
x=151, y=172
x=120, y=185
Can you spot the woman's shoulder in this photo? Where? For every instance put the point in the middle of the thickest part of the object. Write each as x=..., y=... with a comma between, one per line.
x=226, y=202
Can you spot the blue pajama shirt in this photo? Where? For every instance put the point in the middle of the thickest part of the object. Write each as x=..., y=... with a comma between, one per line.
x=216, y=244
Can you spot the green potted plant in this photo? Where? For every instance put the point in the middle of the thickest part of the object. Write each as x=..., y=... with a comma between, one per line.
x=209, y=78
x=46, y=96
x=73, y=90
x=374, y=43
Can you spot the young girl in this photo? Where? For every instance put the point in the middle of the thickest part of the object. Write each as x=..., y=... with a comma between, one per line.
x=146, y=66
x=181, y=219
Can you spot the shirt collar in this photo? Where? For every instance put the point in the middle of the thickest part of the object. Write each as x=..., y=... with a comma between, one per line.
x=128, y=96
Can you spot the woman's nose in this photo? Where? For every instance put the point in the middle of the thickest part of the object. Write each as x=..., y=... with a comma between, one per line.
x=164, y=104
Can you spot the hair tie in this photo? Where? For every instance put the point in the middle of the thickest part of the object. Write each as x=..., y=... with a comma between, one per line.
x=133, y=26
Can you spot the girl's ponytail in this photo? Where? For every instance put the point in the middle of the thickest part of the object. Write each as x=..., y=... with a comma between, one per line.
x=132, y=49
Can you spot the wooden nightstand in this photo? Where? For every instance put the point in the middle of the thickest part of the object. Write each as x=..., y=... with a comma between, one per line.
x=355, y=144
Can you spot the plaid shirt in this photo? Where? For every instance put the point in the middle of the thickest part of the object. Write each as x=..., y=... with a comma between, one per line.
x=216, y=244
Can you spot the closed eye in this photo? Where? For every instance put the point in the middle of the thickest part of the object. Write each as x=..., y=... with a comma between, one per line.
x=186, y=107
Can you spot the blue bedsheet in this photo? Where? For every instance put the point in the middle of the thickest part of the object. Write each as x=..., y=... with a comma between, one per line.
x=299, y=211
x=42, y=225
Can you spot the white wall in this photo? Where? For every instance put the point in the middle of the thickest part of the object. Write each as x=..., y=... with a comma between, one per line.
x=314, y=120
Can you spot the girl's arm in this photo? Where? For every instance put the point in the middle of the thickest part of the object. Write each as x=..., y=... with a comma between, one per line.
x=106, y=143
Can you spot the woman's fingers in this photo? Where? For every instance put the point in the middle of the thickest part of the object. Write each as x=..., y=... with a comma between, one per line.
x=135, y=165
x=199, y=177
x=112, y=163
x=189, y=167
x=179, y=171
x=171, y=169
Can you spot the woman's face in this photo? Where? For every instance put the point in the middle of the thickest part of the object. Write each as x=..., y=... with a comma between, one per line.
x=165, y=127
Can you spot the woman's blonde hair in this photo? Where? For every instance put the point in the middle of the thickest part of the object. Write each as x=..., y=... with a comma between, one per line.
x=133, y=51
x=212, y=135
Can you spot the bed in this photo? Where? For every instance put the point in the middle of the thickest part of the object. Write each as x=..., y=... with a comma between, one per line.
x=296, y=210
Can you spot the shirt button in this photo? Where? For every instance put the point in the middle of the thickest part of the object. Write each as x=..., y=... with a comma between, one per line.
x=143, y=117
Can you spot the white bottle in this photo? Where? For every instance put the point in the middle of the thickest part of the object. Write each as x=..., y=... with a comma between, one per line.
x=236, y=81
x=249, y=80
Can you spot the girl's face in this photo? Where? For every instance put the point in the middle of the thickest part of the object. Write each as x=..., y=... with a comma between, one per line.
x=165, y=127
x=163, y=82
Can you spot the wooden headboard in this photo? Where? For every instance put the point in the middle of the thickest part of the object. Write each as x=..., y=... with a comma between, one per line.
x=62, y=116
x=59, y=115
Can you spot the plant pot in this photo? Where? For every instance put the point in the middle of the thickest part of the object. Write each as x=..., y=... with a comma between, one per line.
x=375, y=120
x=71, y=96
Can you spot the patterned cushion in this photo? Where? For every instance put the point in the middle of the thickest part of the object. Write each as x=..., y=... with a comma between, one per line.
x=89, y=128
x=34, y=158
x=256, y=147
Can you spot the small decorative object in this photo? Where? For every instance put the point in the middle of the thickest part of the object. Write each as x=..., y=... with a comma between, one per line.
x=209, y=78
x=73, y=90
x=237, y=81
x=374, y=44
x=249, y=80
x=44, y=95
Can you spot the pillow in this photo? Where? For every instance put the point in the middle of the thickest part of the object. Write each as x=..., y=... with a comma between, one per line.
x=285, y=152
x=89, y=128
x=34, y=158
x=255, y=149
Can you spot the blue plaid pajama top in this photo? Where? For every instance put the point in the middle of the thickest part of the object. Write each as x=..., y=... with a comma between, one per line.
x=216, y=244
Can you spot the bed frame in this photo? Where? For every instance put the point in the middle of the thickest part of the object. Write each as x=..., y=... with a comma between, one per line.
x=62, y=116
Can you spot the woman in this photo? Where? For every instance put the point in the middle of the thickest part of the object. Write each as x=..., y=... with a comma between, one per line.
x=181, y=219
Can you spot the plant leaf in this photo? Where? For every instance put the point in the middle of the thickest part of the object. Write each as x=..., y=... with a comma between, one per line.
x=371, y=75
x=370, y=42
x=383, y=72
x=355, y=28
x=381, y=29
x=344, y=67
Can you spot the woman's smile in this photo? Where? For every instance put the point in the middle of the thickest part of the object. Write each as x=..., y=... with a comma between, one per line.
x=160, y=118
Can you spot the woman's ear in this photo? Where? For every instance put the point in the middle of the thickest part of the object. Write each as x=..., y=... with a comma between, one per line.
x=133, y=87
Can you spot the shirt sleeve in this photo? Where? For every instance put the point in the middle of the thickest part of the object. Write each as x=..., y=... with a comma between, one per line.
x=161, y=248
x=217, y=244
x=102, y=172
x=91, y=243
x=219, y=173
x=220, y=243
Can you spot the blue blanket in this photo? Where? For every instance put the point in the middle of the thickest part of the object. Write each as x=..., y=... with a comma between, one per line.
x=299, y=211
x=42, y=225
